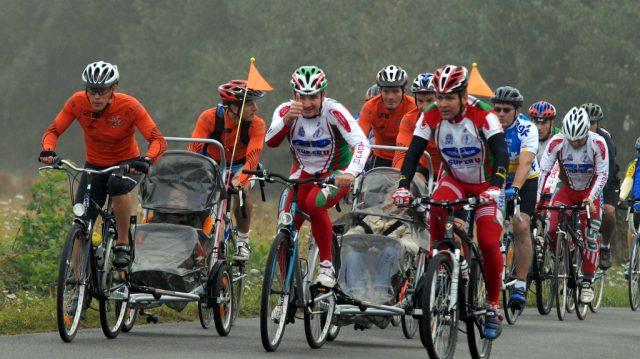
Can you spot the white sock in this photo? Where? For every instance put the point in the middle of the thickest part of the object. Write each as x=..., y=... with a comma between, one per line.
x=243, y=237
x=520, y=284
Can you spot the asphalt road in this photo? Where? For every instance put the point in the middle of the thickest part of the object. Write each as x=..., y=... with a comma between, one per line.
x=611, y=333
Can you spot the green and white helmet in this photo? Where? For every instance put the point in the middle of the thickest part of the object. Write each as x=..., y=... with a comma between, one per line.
x=308, y=80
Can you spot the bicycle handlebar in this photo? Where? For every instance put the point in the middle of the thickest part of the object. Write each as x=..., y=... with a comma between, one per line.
x=59, y=162
x=271, y=176
x=473, y=201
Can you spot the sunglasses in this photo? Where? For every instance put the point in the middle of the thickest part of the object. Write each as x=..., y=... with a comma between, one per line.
x=98, y=90
x=502, y=109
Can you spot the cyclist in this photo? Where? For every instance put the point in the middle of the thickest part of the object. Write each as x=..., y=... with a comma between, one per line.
x=109, y=120
x=371, y=92
x=383, y=113
x=473, y=149
x=583, y=160
x=522, y=178
x=631, y=186
x=424, y=95
x=320, y=132
x=222, y=123
x=543, y=114
x=611, y=191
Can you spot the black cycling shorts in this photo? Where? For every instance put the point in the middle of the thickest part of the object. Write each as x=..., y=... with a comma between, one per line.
x=611, y=195
x=527, y=197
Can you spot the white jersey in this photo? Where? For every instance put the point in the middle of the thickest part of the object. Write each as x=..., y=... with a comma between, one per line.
x=584, y=168
x=324, y=143
x=521, y=136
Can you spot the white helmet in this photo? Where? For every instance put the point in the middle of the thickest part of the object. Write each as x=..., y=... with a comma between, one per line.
x=391, y=76
x=100, y=74
x=575, y=125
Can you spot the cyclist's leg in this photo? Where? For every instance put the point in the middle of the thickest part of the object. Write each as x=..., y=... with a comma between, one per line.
x=98, y=195
x=590, y=234
x=448, y=189
x=610, y=197
x=120, y=191
x=522, y=234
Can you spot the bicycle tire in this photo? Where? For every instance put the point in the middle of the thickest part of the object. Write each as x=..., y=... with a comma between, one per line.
x=318, y=318
x=598, y=290
x=476, y=302
x=333, y=332
x=560, y=265
x=113, y=302
x=238, y=269
x=273, y=294
x=633, y=274
x=205, y=309
x=439, y=324
x=511, y=314
x=543, y=266
x=130, y=318
x=71, y=292
x=581, y=308
x=222, y=296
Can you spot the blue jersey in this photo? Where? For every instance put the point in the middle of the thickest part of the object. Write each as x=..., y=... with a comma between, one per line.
x=521, y=136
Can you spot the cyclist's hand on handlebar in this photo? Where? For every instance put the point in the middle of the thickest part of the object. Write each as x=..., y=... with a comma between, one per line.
x=140, y=166
x=588, y=203
x=490, y=195
x=402, y=197
x=47, y=157
x=344, y=180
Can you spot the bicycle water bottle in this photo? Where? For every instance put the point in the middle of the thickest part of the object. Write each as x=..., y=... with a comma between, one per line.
x=96, y=238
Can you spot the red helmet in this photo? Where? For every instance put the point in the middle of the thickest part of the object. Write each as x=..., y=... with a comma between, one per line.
x=234, y=92
x=450, y=78
x=542, y=111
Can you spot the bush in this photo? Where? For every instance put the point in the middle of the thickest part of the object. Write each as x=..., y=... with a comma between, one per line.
x=33, y=263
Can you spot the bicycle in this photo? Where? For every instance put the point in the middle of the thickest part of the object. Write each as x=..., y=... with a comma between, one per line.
x=632, y=274
x=286, y=286
x=568, y=260
x=451, y=291
x=542, y=268
x=86, y=270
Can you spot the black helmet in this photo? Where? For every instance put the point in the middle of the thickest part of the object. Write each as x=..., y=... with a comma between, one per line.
x=508, y=94
x=594, y=111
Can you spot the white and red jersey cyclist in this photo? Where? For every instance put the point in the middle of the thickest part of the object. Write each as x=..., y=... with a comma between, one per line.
x=583, y=160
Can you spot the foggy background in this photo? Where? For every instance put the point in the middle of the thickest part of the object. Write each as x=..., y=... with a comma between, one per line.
x=172, y=55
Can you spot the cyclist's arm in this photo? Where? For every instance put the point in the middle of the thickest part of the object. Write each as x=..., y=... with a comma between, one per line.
x=148, y=128
x=498, y=148
x=416, y=148
x=627, y=183
x=278, y=131
x=204, y=127
x=601, y=172
x=366, y=118
x=549, y=157
x=403, y=140
x=528, y=149
x=60, y=124
x=254, y=148
x=340, y=117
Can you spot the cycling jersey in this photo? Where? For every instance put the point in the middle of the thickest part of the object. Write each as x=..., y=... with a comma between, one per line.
x=249, y=153
x=583, y=168
x=321, y=144
x=385, y=124
x=405, y=133
x=631, y=182
x=542, y=144
x=463, y=144
x=521, y=136
x=109, y=135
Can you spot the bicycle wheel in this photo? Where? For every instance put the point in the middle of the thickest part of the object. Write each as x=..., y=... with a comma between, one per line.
x=439, y=322
x=510, y=313
x=115, y=292
x=318, y=316
x=274, y=303
x=238, y=277
x=130, y=318
x=560, y=266
x=598, y=290
x=543, y=266
x=72, y=283
x=577, y=274
x=633, y=274
x=222, y=294
x=333, y=332
x=205, y=310
x=475, y=307
x=409, y=326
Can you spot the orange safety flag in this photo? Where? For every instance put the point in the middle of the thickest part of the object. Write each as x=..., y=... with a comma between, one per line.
x=255, y=80
x=477, y=86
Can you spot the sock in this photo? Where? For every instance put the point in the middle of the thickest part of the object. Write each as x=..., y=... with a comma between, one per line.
x=520, y=284
x=243, y=237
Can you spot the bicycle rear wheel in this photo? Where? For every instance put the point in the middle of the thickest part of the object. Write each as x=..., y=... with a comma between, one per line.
x=72, y=283
x=560, y=276
x=475, y=307
x=274, y=303
x=633, y=274
x=439, y=323
x=510, y=313
x=115, y=292
x=543, y=266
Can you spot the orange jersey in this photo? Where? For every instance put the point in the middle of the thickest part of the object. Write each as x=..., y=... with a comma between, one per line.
x=249, y=153
x=407, y=126
x=110, y=138
x=374, y=115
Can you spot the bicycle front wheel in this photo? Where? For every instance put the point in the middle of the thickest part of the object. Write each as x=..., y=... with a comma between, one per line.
x=318, y=318
x=543, y=266
x=598, y=290
x=510, y=313
x=439, y=320
x=72, y=283
x=633, y=274
x=115, y=292
x=238, y=276
x=475, y=307
x=560, y=276
x=274, y=303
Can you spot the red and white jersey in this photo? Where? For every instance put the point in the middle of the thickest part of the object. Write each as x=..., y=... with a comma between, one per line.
x=580, y=169
x=328, y=142
x=463, y=144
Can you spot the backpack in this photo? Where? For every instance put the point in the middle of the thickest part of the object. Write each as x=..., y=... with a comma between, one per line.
x=219, y=127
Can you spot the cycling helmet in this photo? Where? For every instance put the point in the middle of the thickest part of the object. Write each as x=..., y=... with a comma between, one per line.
x=308, y=80
x=575, y=125
x=422, y=84
x=234, y=90
x=594, y=111
x=100, y=75
x=450, y=79
x=542, y=111
x=508, y=94
x=638, y=144
x=391, y=76
x=372, y=91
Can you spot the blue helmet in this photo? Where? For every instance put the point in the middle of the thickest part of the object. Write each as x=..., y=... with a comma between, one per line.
x=422, y=84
